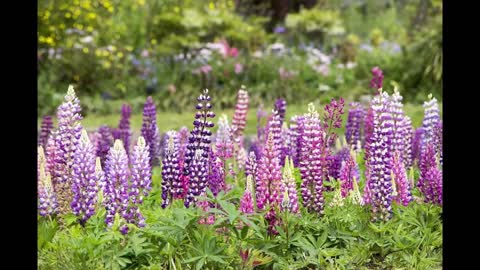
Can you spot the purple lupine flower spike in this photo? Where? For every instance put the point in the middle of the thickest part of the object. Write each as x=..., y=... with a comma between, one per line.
x=84, y=185
x=274, y=127
x=337, y=161
x=348, y=172
x=247, y=205
x=150, y=131
x=47, y=202
x=296, y=131
x=430, y=182
x=404, y=196
x=141, y=180
x=290, y=187
x=105, y=142
x=251, y=166
x=377, y=80
x=123, y=131
x=439, y=140
x=171, y=182
x=407, y=148
x=198, y=177
x=216, y=173
x=50, y=154
x=45, y=130
x=310, y=159
x=117, y=187
x=100, y=177
x=401, y=128
x=281, y=107
x=417, y=145
x=66, y=140
x=379, y=163
x=354, y=125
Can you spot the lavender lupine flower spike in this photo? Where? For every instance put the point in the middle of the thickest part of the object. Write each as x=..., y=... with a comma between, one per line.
x=123, y=131
x=290, y=187
x=171, y=182
x=404, y=196
x=150, y=131
x=430, y=121
x=348, y=172
x=84, y=184
x=45, y=130
x=354, y=125
x=216, y=173
x=117, y=187
x=240, y=116
x=105, y=142
x=66, y=140
x=379, y=163
x=310, y=159
x=401, y=128
x=246, y=202
x=141, y=181
x=47, y=202
x=417, y=145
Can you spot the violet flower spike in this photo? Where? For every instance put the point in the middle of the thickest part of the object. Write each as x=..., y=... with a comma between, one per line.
x=84, y=185
x=246, y=202
x=171, y=181
x=141, y=180
x=47, y=202
x=281, y=107
x=430, y=121
x=123, y=131
x=377, y=80
x=105, y=142
x=404, y=195
x=150, y=131
x=354, y=125
x=66, y=140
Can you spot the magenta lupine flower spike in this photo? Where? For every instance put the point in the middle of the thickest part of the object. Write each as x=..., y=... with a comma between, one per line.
x=281, y=107
x=117, y=186
x=84, y=185
x=50, y=154
x=274, y=127
x=66, y=140
x=150, y=131
x=240, y=116
x=171, y=182
x=332, y=119
x=377, y=80
x=246, y=202
x=47, y=202
x=105, y=142
x=430, y=182
x=404, y=196
x=430, y=121
x=379, y=163
x=348, y=172
x=354, y=125
x=290, y=187
x=140, y=182
x=269, y=177
x=123, y=131
x=251, y=166
x=45, y=130
x=310, y=164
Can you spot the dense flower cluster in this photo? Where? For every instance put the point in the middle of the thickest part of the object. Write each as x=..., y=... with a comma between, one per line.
x=104, y=143
x=354, y=125
x=47, y=202
x=337, y=161
x=430, y=122
x=240, y=116
x=85, y=184
x=171, y=181
x=377, y=80
x=216, y=173
x=150, y=131
x=399, y=174
x=246, y=202
x=349, y=172
x=430, y=182
x=402, y=128
x=290, y=201
x=293, y=145
x=281, y=107
x=66, y=140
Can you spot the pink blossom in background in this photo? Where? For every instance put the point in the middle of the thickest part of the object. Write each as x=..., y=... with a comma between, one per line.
x=285, y=74
x=203, y=69
x=145, y=53
x=238, y=68
x=233, y=52
x=323, y=69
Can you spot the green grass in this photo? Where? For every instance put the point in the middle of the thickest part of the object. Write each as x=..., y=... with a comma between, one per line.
x=171, y=120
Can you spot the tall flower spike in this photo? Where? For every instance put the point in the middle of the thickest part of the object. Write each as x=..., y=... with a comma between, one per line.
x=223, y=140
x=246, y=202
x=417, y=145
x=150, y=131
x=199, y=138
x=198, y=177
x=337, y=160
x=379, y=163
x=377, y=80
x=430, y=121
x=117, y=186
x=47, y=202
x=311, y=167
x=294, y=134
x=430, y=182
x=349, y=171
x=439, y=140
x=123, y=131
x=401, y=140
x=404, y=196
x=354, y=125
x=274, y=127
x=141, y=180
x=407, y=140
x=269, y=176
x=171, y=182
x=216, y=173
x=105, y=142
x=100, y=177
x=290, y=186
x=84, y=184
x=240, y=116
x=66, y=141
x=45, y=130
